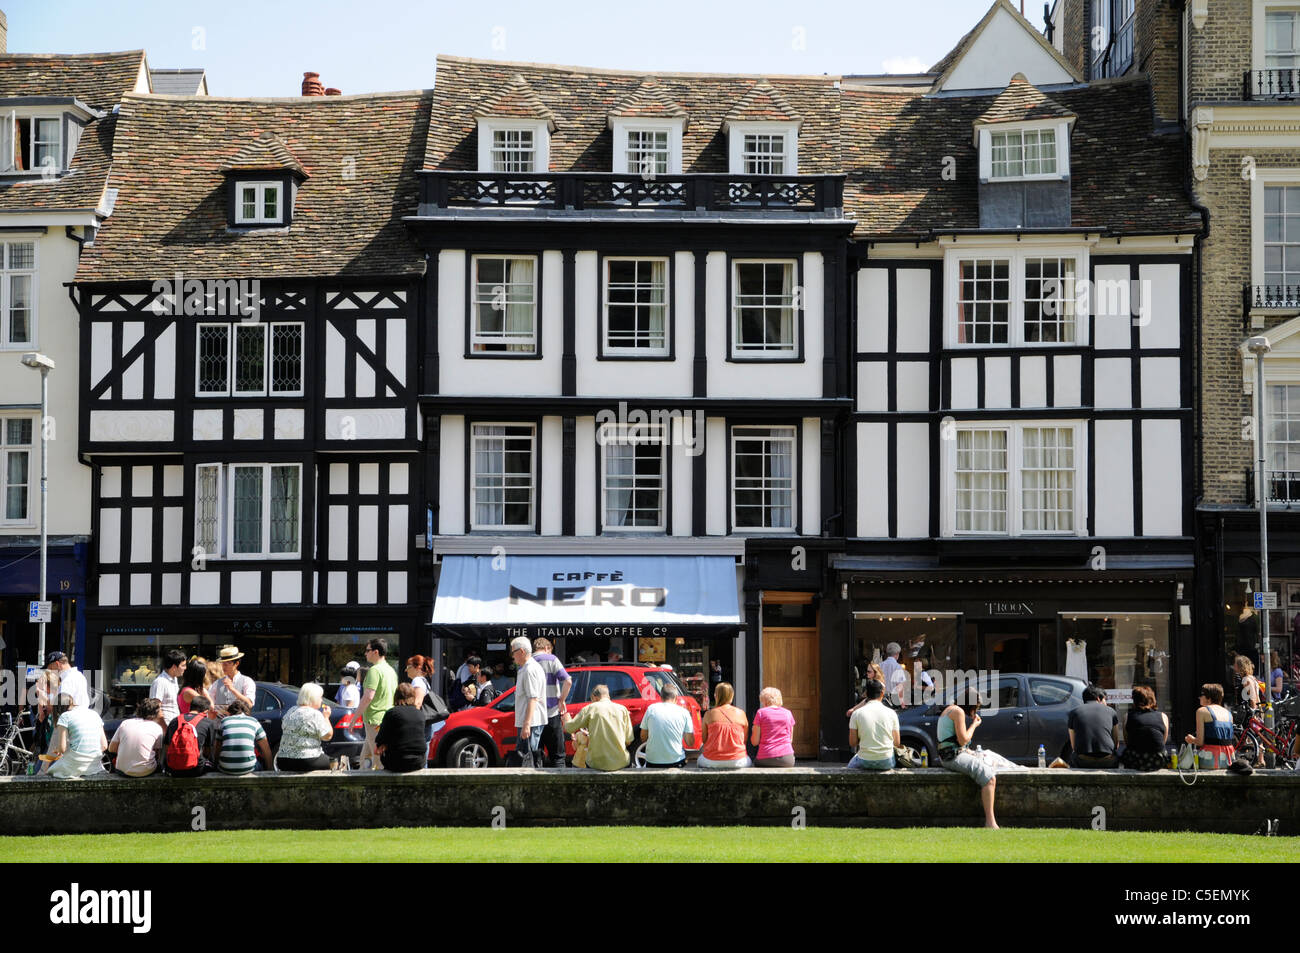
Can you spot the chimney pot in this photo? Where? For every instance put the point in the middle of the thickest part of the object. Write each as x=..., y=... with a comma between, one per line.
x=331, y=91
x=311, y=85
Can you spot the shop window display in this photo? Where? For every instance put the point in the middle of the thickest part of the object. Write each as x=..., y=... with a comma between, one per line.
x=926, y=640
x=1121, y=650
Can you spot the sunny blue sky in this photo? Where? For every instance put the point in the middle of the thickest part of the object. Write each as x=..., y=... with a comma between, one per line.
x=262, y=47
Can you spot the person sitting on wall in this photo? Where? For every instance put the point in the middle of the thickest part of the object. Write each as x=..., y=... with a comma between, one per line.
x=873, y=731
x=1094, y=731
x=609, y=730
x=138, y=741
x=667, y=730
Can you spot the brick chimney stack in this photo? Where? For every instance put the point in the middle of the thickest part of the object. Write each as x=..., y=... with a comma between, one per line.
x=311, y=85
x=4, y=33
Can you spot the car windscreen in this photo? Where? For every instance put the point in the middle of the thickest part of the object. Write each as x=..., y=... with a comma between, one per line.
x=661, y=677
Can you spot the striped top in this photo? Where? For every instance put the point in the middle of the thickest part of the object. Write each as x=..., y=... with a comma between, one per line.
x=239, y=737
x=555, y=674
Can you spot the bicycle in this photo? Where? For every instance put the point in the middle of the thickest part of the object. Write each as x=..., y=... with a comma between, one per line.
x=1256, y=741
x=15, y=757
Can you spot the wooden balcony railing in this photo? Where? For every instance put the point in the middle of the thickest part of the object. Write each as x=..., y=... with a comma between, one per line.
x=588, y=191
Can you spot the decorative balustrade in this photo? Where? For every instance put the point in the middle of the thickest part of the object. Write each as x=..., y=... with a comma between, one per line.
x=589, y=191
x=1271, y=84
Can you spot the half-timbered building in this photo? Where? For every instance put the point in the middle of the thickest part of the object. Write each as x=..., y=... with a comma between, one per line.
x=56, y=130
x=634, y=374
x=1022, y=444
x=249, y=339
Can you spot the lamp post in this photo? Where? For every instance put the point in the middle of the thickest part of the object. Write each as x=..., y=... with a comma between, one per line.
x=43, y=364
x=1259, y=346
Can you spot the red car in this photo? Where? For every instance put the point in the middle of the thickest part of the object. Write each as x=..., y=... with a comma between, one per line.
x=482, y=737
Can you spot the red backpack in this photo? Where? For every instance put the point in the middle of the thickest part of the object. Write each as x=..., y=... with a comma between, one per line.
x=183, y=752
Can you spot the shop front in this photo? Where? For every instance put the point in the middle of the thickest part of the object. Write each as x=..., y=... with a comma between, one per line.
x=1115, y=629
x=681, y=611
x=289, y=649
x=65, y=589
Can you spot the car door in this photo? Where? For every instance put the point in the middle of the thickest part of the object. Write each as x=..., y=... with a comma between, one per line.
x=1006, y=728
x=268, y=709
x=500, y=722
x=1053, y=700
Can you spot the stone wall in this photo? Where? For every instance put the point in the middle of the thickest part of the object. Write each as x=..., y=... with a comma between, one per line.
x=828, y=796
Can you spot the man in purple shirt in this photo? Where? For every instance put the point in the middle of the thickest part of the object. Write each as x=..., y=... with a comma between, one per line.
x=558, y=684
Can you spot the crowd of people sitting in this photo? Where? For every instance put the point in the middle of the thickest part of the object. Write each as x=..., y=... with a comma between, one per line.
x=197, y=719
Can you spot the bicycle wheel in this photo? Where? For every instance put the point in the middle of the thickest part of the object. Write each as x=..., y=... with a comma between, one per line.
x=1249, y=747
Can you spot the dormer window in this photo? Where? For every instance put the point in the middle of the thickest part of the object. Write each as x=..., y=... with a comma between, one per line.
x=764, y=149
x=1016, y=153
x=513, y=150
x=260, y=203
x=1022, y=153
x=516, y=146
x=31, y=143
x=262, y=180
x=647, y=147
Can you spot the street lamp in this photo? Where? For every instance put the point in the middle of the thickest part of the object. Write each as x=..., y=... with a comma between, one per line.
x=1259, y=346
x=43, y=364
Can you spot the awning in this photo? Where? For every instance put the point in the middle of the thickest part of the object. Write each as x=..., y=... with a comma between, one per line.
x=559, y=596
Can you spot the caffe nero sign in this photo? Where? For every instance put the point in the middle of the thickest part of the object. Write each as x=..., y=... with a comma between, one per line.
x=586, y=597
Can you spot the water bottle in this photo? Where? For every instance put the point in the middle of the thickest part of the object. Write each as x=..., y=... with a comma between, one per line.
x=1042, y=756
x=925, y=757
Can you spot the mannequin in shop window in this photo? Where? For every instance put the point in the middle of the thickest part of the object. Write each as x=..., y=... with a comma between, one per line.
x=1076, y=659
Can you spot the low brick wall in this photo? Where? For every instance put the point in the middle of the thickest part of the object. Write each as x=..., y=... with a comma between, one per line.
x=829, y=796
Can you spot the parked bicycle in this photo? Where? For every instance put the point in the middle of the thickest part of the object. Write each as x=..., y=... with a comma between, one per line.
x=17, y=752
x=1278, y=747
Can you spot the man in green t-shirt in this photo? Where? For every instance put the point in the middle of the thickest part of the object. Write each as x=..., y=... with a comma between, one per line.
x=380, y=685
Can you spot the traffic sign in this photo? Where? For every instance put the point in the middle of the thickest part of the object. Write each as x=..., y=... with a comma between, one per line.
x=1266, y=600
x=39, y=611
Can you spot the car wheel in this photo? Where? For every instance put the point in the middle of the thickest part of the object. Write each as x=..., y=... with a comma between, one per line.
x=638, y=754
x=469, y=753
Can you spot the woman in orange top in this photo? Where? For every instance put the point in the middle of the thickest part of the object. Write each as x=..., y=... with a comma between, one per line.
x=724, y=732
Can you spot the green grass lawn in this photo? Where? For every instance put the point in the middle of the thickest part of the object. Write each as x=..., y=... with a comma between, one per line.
x=669, y=844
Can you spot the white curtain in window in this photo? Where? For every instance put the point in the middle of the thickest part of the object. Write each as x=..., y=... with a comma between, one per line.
x=781, y=479
x=489, y=472
x=620, y=474
x=519, y=301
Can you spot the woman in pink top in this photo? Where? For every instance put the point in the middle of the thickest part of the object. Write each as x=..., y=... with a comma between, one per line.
x=724, y=732
x=773, y=728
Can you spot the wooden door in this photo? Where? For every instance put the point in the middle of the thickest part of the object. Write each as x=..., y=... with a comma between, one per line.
x=791, y=663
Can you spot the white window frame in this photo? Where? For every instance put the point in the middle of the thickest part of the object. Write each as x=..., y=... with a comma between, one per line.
x=8, y=140
x=616, y=350
x=793, y=438
x=1274, y=377
x=225, y=534
x=261, y=189
x=1062, y=128
x=1016, y=254
x=611, y=435
x=1262, y=179
x=1015, y=488
x=530, y=526
x=765, y=353
x=32, y=450
x=541, y=142
x=268, y=335
x=6, y=292
x=737, y=131
x=620, y=129
x=1260, y=9
x=476, y=337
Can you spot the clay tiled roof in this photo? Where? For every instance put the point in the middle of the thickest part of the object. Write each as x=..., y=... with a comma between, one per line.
x=97, y=79
x=649, y=101
x=897, y=145
x=1022, y=102
x=265, y=152
x=362, y=152
x=762, y=104
x=585, y=98
x=516, y=100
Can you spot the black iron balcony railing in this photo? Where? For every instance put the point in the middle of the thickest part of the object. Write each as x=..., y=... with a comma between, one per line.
x=586, y=191
x=1282, y=486
x=1273, y=297
x=1271, y=84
